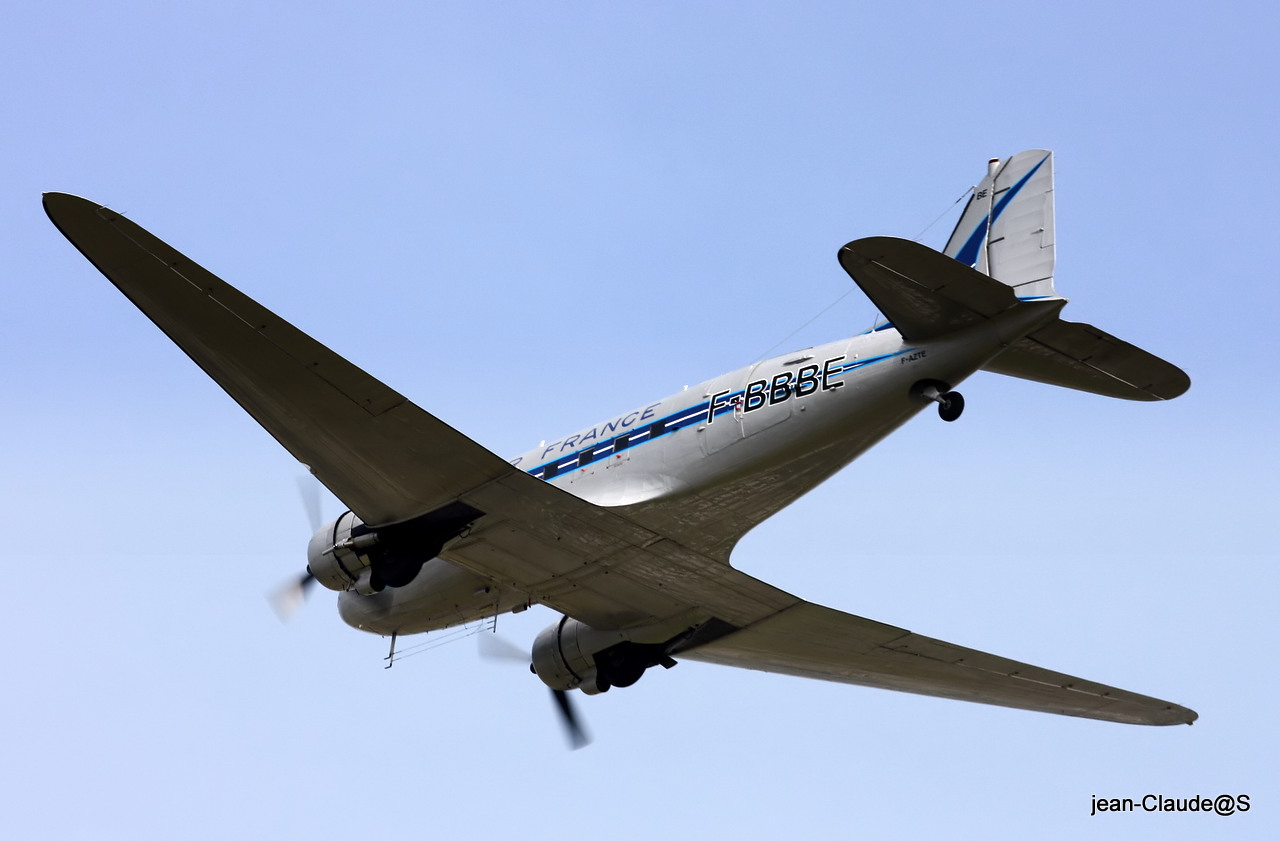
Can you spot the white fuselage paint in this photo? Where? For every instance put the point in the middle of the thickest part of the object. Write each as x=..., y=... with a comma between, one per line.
x=717, y=475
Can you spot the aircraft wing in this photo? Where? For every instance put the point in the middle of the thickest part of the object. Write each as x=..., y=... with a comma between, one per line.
x=380, y=454
x=391, y=461
x=808, y=640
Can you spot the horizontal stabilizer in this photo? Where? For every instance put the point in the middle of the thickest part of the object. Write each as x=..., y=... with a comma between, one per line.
x=926, y=295
x=1082, y=357
x=923, y=293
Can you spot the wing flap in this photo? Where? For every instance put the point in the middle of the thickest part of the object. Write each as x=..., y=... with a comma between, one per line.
x=808, y=640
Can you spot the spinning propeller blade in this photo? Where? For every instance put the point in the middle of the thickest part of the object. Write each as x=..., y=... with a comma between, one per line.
x=290, y=596
x=568, y=716
x=494, y=647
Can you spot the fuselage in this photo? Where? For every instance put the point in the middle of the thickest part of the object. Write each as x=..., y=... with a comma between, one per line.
x=709, y=463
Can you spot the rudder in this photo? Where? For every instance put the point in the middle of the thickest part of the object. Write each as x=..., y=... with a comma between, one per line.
x=1006, y=230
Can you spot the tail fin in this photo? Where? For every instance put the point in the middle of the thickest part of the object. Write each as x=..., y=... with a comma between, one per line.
x=1005, y=233
x=1006, y=230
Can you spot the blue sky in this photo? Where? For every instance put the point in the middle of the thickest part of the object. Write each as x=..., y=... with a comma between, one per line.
x=529, y=217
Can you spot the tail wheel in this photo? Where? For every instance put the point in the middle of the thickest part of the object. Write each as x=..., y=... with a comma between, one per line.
x=950, y=406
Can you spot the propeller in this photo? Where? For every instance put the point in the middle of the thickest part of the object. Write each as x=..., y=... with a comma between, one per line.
x=569, y=718
x=292, y=594
x=309, y=490
x=288, y=597
x=494, y=647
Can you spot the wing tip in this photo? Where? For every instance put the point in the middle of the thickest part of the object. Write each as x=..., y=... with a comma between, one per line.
x=54, y=198
x=1170, y=715
x=62, y=207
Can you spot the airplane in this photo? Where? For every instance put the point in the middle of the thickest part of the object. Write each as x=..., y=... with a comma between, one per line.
x=626, y=527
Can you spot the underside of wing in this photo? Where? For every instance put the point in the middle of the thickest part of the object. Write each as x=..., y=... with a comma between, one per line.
x=380, y=454
x=808, y=640
x=392, y=462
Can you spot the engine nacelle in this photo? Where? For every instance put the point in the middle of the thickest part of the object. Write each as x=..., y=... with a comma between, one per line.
x=572, y=655
x=339, y=554
x=564, y=654
x=349, y=555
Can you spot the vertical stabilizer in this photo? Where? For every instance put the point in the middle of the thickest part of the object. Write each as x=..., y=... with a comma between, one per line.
x=1006, y=230
x=1005, y=233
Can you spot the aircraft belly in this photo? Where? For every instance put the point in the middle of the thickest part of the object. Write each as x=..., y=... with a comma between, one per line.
x=766, y=472
x=732, y=488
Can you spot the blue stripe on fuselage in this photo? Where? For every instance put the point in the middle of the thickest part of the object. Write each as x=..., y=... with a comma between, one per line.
x=686, y=417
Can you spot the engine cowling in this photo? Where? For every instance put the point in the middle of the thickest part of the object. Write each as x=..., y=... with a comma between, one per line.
x=349, y=555
x=573, y=655
x=339, y=557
